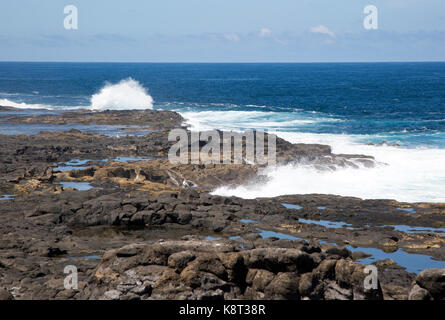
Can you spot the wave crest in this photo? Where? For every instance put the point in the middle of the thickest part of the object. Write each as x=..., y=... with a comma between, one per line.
x=22, y=105
x=126, y=94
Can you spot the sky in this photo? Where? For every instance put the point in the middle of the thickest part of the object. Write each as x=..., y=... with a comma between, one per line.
x=222, y=31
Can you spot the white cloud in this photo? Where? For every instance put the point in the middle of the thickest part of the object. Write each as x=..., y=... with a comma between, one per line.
x=323, y=30
x=265, y=33
x=232, y=37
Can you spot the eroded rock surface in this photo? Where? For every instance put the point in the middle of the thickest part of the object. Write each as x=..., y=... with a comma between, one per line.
x=192, y=269
x=214, y=247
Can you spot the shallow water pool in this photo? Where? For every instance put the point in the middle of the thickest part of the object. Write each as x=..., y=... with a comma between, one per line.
x=7, y=197
x=81, y=186
x=272, y=234
x=326, y=223
x=412, y=262
x=292, y=206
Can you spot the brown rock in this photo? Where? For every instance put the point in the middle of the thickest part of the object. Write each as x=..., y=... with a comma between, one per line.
x=433, y=280
x=418, y=293
x=283, y=286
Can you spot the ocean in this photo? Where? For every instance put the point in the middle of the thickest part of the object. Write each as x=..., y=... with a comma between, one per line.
x=392, y=111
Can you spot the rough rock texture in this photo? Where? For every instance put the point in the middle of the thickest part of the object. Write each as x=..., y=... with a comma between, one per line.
x=154, y=119
x=112, y=232
x=203, y=270
x=429, y=285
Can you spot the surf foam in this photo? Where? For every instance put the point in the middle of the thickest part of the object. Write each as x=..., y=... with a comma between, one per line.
x=22, y=105
x=127, y=94
x=408, y=174
x=242, y=120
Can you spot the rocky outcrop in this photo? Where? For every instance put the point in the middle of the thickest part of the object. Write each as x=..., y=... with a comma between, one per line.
x=170, y=206
x=153, y=119
x=112, y=233
x=204, y=270
x=36, y=157
x=5, y=295
x=159, y=175
x=429, y=285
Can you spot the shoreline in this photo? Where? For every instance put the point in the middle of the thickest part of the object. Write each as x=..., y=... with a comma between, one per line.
x=145, y=198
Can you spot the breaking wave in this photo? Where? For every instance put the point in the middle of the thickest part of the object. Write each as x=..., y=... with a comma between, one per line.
x=402, y=173
x=127, y=94
x=242, y=120
x=22, y=105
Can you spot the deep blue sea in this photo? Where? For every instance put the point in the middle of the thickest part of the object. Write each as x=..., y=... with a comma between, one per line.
x=349, y=106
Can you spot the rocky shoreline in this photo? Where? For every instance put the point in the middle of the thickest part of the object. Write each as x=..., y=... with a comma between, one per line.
x=139, y=227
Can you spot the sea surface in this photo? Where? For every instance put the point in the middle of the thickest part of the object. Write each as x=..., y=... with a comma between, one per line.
x=354, y=107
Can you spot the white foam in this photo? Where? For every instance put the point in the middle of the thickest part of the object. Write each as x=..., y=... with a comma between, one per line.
x=410, y=175
x=407, y=174
x=22, y=105
x=240, y=120
x=127, y=94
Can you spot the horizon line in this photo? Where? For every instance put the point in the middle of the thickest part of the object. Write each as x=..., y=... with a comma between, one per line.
x=224, y=62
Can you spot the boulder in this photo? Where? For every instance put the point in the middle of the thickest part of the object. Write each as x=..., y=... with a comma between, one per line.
x=432, y=280
x=284, y=287
x=418, y=293
x=5, y=295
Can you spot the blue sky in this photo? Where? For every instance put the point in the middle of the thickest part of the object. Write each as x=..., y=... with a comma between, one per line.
x=222, y=31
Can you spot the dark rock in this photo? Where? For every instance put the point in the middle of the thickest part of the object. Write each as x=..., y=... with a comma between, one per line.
x=341, y=252
x=55, y=252
x=280, y=260
x=5, y=295
x=418, y=293
x=283, y=286
x=432, y=280
x=179, y=260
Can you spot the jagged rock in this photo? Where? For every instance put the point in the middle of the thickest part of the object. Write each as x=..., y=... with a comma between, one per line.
x=335, y=292
x=5, y=295
x=342, y=252
x=283, y=286
x=112, y=233
x=352, y=275
x=432, y=280
x=307, y=284
x=418, y=293
x=259, y=279
x=280, y=259
x=112, y=295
